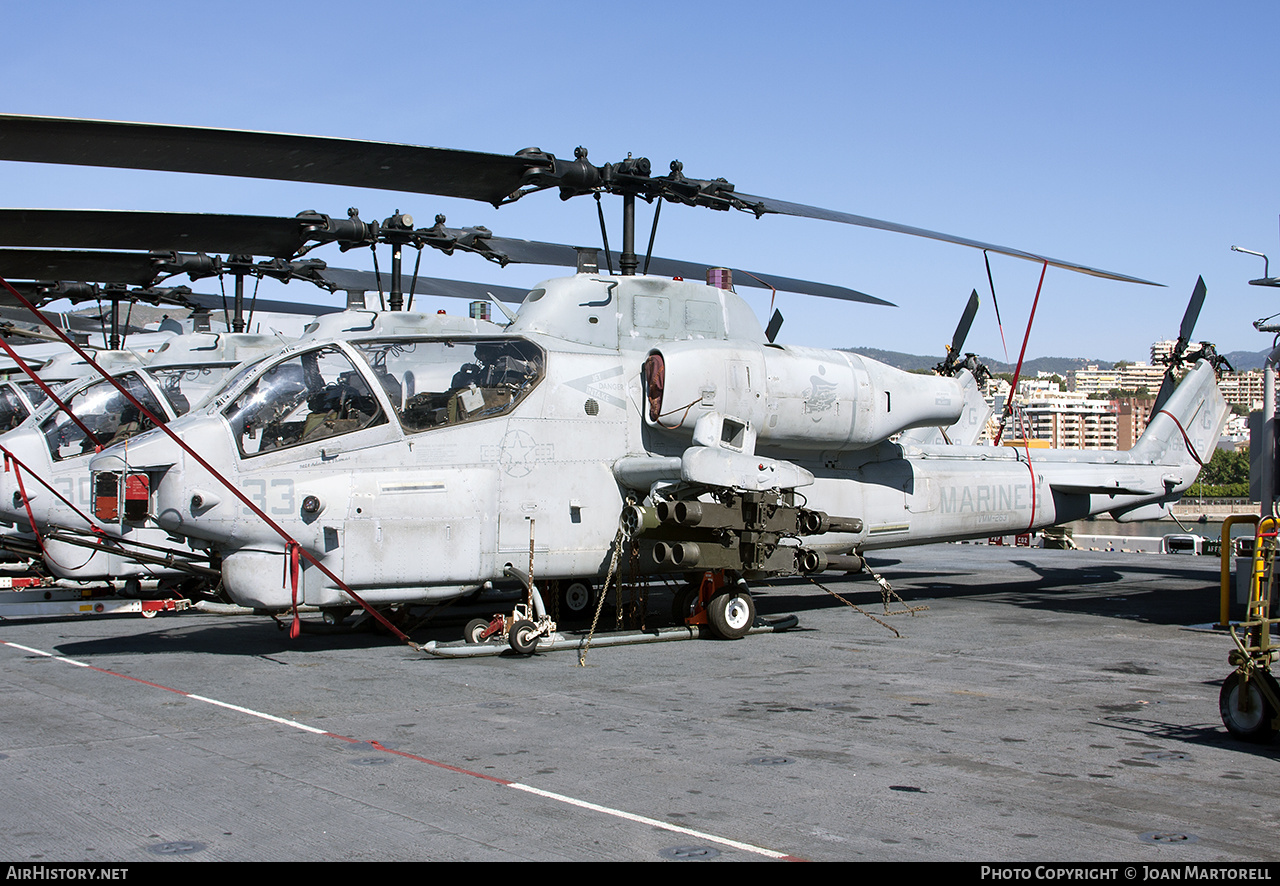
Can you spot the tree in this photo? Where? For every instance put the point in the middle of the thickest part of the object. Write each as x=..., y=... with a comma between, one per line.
x=1226, y=467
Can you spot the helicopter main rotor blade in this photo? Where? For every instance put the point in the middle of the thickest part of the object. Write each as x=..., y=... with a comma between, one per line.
x=277, y=156
x=33, y=292
x=473, y=175
x=18, y=318
x=366, y=281
x=216, y=303
x=282, y=237
x=782, y=207
x=131, y=268
x=114, y=229
x=8, y=329
x=539, y=253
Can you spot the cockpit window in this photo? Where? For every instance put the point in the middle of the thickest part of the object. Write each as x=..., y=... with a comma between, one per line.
x=34, y=393
x=13, y=411
x=439, y=383
x=104, y=411
x=185, y=386
x=311, y=396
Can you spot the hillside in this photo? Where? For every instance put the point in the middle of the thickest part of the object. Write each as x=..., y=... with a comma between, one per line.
x=1240, y=360
x=916, y=362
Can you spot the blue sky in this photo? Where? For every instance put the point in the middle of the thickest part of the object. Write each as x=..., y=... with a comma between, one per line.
x=1138, y=137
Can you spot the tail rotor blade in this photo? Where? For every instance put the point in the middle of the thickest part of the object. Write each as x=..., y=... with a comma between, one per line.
x=1166, y=390
x=966, y=321
x=1184, y=339
x=1193, y=311
x=775, y=323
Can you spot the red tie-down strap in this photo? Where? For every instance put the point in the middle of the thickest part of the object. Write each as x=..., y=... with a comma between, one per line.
x=292, y=554
x=1013, y=387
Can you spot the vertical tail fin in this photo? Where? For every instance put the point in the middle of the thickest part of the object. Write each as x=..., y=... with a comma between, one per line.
x=1185, y=429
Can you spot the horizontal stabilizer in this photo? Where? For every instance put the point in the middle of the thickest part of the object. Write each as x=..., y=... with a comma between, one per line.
x=1105, y=488
x=1154, y=511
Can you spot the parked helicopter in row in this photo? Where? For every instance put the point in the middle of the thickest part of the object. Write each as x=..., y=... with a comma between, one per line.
x=47, y=485
x=423, y=468
x=391, y=468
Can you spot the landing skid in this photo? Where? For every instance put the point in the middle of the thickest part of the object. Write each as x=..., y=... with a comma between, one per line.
x=562, y=640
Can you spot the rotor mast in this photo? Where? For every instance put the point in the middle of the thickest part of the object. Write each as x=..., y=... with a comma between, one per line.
x=114, y=342
x=628, y=262
x=397, y=231
x=239, y=264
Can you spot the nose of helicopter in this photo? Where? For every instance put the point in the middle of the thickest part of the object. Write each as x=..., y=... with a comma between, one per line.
x=26, y=464
x=153, y=449
x=169, y=470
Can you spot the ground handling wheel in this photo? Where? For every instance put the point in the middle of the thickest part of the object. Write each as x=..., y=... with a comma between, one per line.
x=475, y=630
x=336, y=615
x=1255, y=722
x=524, y=637
x=731, y=613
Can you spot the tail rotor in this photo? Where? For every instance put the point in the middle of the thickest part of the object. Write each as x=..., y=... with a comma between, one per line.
x=1183, y=352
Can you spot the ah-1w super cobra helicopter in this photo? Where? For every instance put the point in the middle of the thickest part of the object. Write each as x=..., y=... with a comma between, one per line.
x=402, y=468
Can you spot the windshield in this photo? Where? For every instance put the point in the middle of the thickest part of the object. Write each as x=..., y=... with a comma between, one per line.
x=185, y=386
x=438, y=383
x=310, y=396
x=106, y=412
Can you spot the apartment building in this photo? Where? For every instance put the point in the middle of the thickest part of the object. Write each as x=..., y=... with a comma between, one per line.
x=1242, y=388
x=1075, y=420
x=1132, y=417
x=1125, y=377
x=1066, y=421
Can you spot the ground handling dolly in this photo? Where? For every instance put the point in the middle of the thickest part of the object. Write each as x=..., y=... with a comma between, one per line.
x=1250, y=698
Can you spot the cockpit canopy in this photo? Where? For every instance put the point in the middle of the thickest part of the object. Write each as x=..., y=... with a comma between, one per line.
x=107, y=413
x=14, y=400
x=445, y=382
x=309, y=396
x=429, y=383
